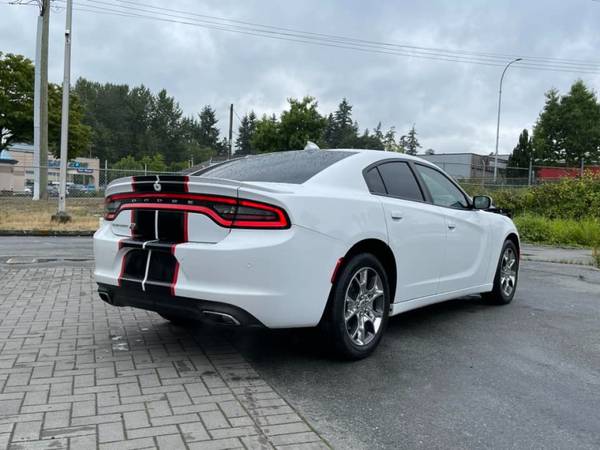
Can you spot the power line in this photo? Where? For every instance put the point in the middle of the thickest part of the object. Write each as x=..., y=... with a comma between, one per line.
x=238, y=117
x=335, y=41
x=427, y=54
x=502, y=56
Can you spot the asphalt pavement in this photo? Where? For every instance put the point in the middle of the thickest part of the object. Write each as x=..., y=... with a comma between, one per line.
x=462, y=374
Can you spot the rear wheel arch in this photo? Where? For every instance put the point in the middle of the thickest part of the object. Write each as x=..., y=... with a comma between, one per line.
x=382, y=252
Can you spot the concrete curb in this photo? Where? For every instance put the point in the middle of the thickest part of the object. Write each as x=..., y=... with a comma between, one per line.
x=72, y=233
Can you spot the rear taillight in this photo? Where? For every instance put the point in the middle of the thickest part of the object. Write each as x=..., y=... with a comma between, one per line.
x=225, y=211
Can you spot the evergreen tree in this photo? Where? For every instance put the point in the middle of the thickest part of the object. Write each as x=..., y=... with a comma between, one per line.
x=410, y=143
x=580, y=119
x=568, y=128
x=266, y=136
x=548, y=130
x=389, y=141
x=522, y=152
x=208, y=133
x=243, y=143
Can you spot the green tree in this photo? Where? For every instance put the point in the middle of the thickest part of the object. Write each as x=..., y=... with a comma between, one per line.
x=339, y=130
x=522, y=152
x=369, y=140
x=547, y=132
x=410, y=143
x=266, y=136
x=580, y=114
x=300, y=124
x=154, y=163
x=208, y=132
x=16, y=108
x=389, y=141
x=79, y=134
x=165, y=123
x=568, y=128
x=243, y=143
x=127, y=163
x=16, y=99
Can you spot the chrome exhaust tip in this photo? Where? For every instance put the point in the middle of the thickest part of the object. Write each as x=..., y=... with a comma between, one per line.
x=220, y=317
x=105, y=296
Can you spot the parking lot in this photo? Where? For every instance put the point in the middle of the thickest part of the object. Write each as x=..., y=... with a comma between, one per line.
x=462, y=374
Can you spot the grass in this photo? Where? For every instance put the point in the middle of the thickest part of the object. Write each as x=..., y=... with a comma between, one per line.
x=539, y=229
x=23, y=214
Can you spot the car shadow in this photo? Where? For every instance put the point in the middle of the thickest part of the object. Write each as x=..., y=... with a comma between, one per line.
x=260, y=344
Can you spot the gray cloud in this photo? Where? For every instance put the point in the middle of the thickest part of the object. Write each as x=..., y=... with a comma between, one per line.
x=453, y=105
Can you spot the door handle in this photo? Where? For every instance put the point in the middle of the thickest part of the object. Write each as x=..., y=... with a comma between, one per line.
x=451, y=225
x=396, y=215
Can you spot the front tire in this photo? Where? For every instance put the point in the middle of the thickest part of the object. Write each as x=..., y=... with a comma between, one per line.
x=359, y=307
x=507, y=276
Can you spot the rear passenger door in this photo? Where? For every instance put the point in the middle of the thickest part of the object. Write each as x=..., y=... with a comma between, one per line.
x=416, y=229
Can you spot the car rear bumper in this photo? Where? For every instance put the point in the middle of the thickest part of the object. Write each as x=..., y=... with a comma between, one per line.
x=189, y=308
x=275, y=278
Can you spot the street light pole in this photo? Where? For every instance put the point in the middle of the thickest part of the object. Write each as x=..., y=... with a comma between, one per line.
x=498, y=123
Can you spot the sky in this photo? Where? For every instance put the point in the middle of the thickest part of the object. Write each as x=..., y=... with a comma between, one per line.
x=452, y=104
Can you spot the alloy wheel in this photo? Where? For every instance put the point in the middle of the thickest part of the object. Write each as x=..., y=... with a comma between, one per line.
x=363, y=306
x=508, y=272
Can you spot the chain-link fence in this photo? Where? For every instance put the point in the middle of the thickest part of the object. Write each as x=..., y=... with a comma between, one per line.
x=91, y=183
x=81, y=183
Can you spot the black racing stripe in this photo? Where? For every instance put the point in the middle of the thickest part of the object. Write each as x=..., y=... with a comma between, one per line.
x=171, y=226
x=144, y=224
x=161, y=273
x=165, y=183
x=162, y=269
x=135, y=265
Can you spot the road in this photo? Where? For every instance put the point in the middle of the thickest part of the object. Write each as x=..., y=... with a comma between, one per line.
x=461, y=374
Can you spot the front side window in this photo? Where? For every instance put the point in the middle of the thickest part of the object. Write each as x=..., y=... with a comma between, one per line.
x=400, y=181
x=442, y=190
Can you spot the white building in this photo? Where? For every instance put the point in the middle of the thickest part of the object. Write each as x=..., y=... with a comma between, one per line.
x=15, y=176
x=467, y=165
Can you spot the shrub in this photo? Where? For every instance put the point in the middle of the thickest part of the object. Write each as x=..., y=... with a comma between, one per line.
x=535, y=228
x=569, y=198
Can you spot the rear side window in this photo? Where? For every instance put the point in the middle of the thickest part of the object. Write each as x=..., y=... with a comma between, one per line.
x=294, y=167
x=400, y=181
x=374, y=181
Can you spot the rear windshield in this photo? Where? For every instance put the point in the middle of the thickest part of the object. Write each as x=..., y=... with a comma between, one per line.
x=294, y=167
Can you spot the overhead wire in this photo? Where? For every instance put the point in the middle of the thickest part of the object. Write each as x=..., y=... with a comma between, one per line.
x=145, y=11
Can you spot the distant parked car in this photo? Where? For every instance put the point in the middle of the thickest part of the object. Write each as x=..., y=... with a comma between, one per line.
x=343, y=239
x=53, y=190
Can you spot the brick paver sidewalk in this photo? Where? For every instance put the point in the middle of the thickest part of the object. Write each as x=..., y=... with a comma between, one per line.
x=76, y=373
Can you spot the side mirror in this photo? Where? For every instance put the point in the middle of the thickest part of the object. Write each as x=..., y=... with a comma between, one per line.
x=482, y=202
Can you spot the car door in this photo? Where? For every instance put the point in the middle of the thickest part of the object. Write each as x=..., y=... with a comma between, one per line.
x=466, y=236
x=416, y=229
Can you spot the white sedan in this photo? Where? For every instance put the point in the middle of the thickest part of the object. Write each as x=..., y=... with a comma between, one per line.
x=342, y=239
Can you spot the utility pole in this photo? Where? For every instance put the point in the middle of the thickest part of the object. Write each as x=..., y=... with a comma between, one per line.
x=230, y=129
x=62, y=216
x=40, y=109
x=498, y=123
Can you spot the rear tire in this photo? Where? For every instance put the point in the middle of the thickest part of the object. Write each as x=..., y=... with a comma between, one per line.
x=359, y=307
x=507, y=276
